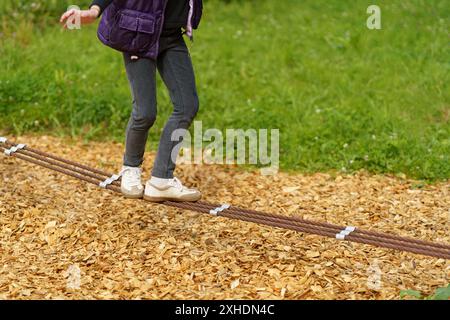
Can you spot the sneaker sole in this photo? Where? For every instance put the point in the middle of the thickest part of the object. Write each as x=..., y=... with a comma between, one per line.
x=132, y=196
x=161, y=199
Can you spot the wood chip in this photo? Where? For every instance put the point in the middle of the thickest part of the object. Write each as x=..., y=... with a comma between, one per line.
x=131, y=249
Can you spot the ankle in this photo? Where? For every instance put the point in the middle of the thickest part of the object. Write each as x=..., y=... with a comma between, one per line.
x=124, y=166
x=160, y=182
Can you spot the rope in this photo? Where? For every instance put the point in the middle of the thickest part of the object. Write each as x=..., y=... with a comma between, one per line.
x=112, y=182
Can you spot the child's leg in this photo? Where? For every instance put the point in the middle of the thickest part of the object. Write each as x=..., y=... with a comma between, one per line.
x=142, y=78
x=175, y=67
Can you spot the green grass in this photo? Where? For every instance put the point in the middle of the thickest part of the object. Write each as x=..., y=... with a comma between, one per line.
x=344, y=97
x=439, y=294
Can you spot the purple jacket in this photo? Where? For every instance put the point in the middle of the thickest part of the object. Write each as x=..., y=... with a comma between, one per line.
x=134, y=26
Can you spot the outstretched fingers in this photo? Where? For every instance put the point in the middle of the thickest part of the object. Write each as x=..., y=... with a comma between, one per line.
x=66, y=16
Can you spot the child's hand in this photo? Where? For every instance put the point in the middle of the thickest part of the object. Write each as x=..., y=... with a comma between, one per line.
x=86, y=16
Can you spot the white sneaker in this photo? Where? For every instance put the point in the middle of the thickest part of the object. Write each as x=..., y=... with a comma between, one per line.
x=173, y=190
x=131, y=185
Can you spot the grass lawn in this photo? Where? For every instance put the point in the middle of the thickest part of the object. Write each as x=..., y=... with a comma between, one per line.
x=344, y=97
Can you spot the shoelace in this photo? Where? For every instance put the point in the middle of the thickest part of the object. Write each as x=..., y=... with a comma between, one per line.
x=133, y=176
x=177, y=184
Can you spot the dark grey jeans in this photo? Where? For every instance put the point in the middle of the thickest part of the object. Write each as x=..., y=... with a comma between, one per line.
x=175, y=67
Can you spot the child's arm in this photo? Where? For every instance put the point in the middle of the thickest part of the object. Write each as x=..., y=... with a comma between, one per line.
x=101, y=4
x=86, y=16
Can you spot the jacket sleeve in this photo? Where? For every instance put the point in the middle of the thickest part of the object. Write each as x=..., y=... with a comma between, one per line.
x=102, y=4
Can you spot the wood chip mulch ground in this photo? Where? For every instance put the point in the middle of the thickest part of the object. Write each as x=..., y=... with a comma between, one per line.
x=64, y=239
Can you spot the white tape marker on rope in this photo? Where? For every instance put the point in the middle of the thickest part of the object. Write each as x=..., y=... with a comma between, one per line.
x=219, y=209
x=10, y=151
x=109, y=181
x=341, y=235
